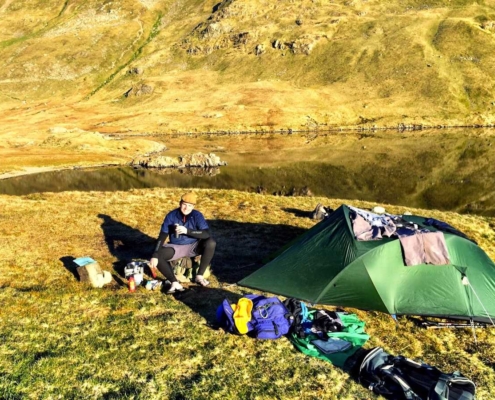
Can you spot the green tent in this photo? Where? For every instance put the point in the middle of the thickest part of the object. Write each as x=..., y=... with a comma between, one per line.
x=327, y=265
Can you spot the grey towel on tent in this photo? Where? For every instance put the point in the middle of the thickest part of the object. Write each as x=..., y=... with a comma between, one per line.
x=425, y=248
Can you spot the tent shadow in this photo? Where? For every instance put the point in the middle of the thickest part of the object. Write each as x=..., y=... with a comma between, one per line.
x=125, y=243
x=242, y=247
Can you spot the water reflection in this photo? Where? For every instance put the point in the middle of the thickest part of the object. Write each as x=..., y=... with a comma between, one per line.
x=402, y=182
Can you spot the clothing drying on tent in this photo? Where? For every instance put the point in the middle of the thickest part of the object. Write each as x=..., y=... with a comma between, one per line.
x=419, y=245
x=328, y=265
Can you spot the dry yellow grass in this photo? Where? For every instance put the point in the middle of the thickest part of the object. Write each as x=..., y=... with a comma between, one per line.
x=324, y=65
x=61, y=338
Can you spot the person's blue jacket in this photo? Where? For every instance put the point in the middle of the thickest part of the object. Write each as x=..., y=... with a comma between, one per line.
x=195, y=221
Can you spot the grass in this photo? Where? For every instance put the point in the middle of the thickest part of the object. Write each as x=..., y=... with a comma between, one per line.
x=63, y=339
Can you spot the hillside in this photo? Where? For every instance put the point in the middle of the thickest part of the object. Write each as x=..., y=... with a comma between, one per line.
x=247, y=64
x=153, y=66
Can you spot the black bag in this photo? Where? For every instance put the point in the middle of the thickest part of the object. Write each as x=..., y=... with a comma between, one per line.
x=401, y=378
x=327, y=321
x=298, y=315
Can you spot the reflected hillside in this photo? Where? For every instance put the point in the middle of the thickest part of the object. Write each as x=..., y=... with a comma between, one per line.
x=402, y=183
x=434, y=170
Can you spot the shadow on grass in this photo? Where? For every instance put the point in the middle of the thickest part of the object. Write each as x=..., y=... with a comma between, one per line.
x=205, y=301
x=241, y=247
x=299, y=213
x=70, y=265
x=125, y=243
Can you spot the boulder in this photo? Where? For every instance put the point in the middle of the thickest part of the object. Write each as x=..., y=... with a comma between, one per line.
x=186, y=161
x=139, y=90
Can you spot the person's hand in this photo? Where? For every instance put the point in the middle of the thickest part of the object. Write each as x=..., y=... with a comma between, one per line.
x=180, y=230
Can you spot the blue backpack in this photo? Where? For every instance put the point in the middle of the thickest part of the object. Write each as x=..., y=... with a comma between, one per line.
x=269, y=317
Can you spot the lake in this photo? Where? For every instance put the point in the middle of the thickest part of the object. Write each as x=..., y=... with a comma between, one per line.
x=445, y=170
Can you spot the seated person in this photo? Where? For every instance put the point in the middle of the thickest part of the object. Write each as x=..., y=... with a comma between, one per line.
x=189, y=237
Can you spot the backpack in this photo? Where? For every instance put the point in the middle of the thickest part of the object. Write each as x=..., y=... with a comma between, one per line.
x=225, y=317
x=402, y=378
x=271, y=319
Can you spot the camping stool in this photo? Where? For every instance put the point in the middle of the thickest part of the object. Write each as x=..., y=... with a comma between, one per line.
x=185, y=268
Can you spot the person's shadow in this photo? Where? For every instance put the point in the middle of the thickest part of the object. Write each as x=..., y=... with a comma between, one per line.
x=241, y=249
x=125, y=243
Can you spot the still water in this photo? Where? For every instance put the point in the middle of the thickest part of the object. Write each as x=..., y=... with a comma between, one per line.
x=457, y=190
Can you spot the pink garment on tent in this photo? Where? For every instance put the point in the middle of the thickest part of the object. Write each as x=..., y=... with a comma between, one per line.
x=425, y=248
x=362, y=228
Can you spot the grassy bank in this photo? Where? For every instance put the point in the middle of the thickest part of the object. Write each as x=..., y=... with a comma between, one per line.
x=62, y=339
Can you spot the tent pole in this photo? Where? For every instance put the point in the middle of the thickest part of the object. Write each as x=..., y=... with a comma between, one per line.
x=394, y=317
x=474, y=331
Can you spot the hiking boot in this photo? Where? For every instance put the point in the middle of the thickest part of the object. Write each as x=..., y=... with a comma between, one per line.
x=201, y=281
x=319, y=213
x=175, y=287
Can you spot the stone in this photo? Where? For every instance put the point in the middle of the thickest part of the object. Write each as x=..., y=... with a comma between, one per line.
x=185, y=161
x=259, y=49
x=139, y=90
x=136, y=71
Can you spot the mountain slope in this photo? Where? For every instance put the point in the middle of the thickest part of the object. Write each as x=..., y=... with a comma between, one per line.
x=194, y=66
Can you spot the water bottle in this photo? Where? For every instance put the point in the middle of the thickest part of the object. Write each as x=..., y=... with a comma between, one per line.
x=132, y=284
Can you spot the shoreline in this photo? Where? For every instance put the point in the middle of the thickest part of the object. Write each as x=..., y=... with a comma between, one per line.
x=39, y=170
x=321, y=129
x=315, y=132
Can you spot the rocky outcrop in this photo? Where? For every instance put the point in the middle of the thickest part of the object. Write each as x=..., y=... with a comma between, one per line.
x=139, y=90
x=186, y=161
x=303, y=45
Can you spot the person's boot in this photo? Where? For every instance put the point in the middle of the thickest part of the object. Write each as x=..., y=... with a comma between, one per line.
x=200, y=280
x=175, y=287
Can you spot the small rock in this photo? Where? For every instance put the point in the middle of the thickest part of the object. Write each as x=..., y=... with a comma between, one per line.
x=260, y=49
x=136, y=71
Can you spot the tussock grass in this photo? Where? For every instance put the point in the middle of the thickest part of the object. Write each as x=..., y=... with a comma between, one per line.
x=63, y=339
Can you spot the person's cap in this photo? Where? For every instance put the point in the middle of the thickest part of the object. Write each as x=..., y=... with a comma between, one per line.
x=190, y=198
